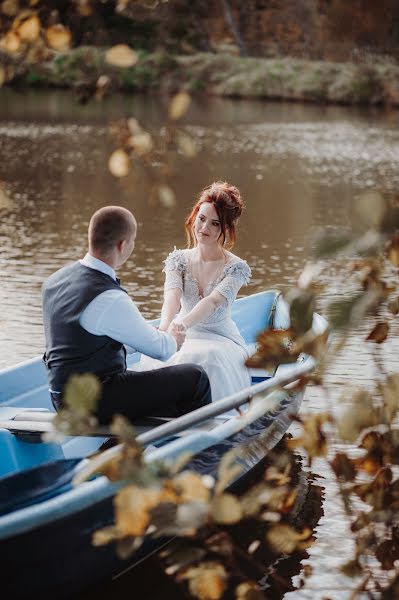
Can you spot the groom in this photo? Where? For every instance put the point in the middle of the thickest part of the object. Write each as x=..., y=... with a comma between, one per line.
x=89, y=321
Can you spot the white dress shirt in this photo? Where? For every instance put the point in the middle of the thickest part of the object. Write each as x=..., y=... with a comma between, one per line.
x=114, y=314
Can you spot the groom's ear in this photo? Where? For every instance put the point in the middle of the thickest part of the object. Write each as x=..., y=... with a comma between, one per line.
x=121, y=245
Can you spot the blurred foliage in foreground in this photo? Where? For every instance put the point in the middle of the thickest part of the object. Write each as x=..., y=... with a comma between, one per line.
x=359, y=437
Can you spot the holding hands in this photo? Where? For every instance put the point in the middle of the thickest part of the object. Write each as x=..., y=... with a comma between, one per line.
x=178, y=331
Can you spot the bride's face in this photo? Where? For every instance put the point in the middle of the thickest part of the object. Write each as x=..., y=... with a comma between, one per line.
x=207, y=225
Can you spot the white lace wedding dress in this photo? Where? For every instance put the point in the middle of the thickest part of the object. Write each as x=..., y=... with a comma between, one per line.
x=216, y=343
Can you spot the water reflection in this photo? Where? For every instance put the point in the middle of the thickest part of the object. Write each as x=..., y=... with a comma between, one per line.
x=297, y=166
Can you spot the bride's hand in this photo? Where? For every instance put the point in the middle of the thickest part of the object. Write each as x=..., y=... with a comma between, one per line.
x=178, y=331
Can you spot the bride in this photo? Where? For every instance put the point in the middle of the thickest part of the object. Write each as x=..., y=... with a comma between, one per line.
x=201, y=284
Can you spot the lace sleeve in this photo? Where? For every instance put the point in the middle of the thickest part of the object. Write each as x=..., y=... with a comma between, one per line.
x=235, y=276
x=174, y=269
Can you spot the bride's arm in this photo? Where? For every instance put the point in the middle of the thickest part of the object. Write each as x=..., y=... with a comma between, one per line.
x=203, y=309
x=170, y=308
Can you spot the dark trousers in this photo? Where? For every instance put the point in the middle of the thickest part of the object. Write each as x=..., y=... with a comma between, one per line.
x=166, y=392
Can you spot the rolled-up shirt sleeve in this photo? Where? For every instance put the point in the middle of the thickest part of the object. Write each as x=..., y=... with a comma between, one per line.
x=115, y=315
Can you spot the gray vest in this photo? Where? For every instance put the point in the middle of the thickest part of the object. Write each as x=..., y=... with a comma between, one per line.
x=70, y=348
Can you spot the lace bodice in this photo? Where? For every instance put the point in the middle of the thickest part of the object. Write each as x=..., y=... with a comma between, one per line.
x=234, y=275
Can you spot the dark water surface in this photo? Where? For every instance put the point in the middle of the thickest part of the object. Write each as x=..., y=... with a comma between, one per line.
x=297, y=166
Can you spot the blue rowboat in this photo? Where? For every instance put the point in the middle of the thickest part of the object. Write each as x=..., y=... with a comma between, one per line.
x=46, y=522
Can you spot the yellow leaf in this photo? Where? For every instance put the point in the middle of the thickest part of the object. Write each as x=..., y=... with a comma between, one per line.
x=119, y=163
x=179, y=105
x=141, y=142
x=121, y=56
x=10, y=8
x=207, y=581
x=58, y=37
x=84, y=8
x=104, y=536
x=132, y=509
x=393, y=251
x=191, y=486
x=186, y=145
x=284, y=539
x=29, y=30
x=2, y=76
x=226, y=509
x=166, y=196
x=11, y=42
x=82, y=392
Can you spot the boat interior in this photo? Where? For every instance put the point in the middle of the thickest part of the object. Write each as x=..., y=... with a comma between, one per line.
x=26, y=411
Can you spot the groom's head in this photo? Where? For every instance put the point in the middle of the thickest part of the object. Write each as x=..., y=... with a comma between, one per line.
x=112, y=232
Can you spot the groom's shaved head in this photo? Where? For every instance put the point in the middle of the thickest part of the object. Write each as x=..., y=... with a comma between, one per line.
x=109, y=226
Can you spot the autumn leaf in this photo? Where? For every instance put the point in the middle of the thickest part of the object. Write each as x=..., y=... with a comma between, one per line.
x=29, y=29
x=376, y=493
x=284, y=539
x=392, y=250
x=141, y=143
x=179, y=105
x=379, y=333
x=249, y=590
x=343, y=467
x=302, y=304
x=226, y=509
x=273, y=347
x=121, y=56
x=191, y=486
x=352, y=568
x=10, y=8
x=313, y=440
x=207, y=581
x=166, y=196
x=358, y=415
x=387, y=553
x=119, y=163
x=11, y=42
x=82, y=393
x=393, y=306
x=58, y=37
x=133, y=506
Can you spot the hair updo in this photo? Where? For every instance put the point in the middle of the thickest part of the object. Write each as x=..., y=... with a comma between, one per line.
x=228, y=204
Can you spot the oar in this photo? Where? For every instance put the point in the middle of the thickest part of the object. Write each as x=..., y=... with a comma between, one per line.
x=197, y=416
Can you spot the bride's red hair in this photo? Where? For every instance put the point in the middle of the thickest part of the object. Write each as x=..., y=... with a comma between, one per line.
x=228, y=204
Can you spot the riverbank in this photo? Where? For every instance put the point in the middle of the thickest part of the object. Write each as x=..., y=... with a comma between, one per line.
x=225, y=75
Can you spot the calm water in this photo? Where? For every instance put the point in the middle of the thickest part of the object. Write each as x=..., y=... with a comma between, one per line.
x=298, y=168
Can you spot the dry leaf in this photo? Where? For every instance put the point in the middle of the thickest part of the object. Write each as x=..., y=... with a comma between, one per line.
x=103, y=84
x=84, y=8
x=379, y=334
x=104, y=536
x=11, y=42
x=191, y=486
x=376, y=493
x=284, y=539
x=370, y=207
x=29, y=30
x=119, y=163
x=10, y=8
x=133, y=506
x=121, y=56
x=179, y=105
x=82, y=393
x=2, y=76
x=313, y=440
x=393, y=250
x=343, y=467
x=273, y=347
x=226, y=509
x=58, y=37
x=207, y=581
x=141, y=143
x=359, y=415
x=249, y=590
x=5, y=202
x=393, y=306
x=166, y=196
x=186, y=145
